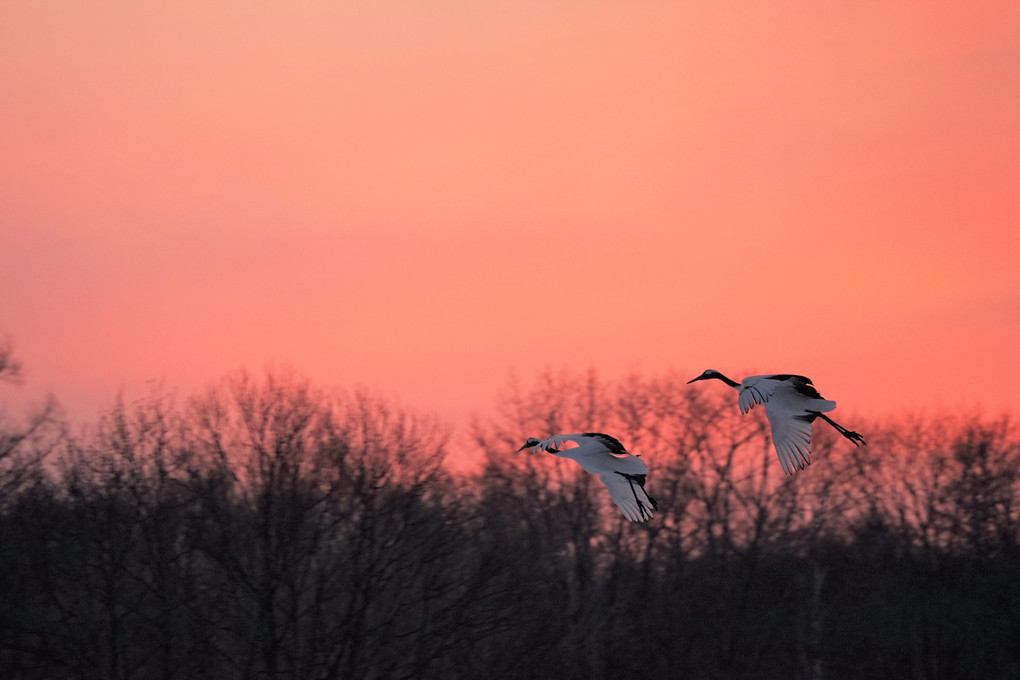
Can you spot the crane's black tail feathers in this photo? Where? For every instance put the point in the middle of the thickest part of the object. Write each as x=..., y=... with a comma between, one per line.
x=640, y=481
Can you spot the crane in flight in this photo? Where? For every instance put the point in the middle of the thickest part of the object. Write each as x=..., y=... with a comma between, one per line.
x=602, y=455
x=791, y=404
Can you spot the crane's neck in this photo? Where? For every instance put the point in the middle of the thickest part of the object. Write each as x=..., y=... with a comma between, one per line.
x=731, y=383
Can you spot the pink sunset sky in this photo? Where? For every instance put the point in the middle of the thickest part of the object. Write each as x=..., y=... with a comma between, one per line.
x=422, y=197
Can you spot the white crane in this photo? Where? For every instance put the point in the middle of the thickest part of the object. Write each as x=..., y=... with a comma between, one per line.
x=602, y=455
x=791, y=403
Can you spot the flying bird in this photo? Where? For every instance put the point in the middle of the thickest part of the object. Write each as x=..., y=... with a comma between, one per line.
x=602, y=455
x=792, y=404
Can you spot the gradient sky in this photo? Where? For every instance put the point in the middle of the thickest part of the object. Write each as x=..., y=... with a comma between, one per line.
x=423, y=196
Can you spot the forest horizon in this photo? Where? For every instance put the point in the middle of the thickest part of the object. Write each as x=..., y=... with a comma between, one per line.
x=264, y=528
x=25, y=404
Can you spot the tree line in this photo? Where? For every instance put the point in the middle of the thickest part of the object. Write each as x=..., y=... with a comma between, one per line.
x=266, y=529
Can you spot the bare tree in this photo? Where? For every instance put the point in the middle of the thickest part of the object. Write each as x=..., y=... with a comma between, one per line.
x=24, y=446
x=10, y=367
x=334, y=531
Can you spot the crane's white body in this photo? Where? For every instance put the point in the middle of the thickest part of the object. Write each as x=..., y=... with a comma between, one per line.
x=602, y=455
x=791, y=405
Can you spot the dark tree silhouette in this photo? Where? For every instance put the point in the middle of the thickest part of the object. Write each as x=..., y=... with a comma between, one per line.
x=10, y=367
x=266, y=529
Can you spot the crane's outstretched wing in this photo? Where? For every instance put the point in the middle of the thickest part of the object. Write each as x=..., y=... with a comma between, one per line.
x=760, y=389
x=628, y=492
x=612, y=444
x=791, y=435
x=757, y=389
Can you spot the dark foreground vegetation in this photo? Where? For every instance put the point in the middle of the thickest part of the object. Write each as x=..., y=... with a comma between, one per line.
x=265, y=530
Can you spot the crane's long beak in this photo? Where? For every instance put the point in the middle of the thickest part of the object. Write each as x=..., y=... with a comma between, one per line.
x=526, y=446
x=695, y=379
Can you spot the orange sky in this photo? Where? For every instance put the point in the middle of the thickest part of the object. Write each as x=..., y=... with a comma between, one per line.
x=422, y=196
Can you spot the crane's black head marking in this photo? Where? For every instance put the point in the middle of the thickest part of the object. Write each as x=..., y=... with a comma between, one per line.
x=705, y=376
x=531, y=443
x=712, y=373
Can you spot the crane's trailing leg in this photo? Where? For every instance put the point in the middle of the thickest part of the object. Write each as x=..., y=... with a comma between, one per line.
x=855, y=437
